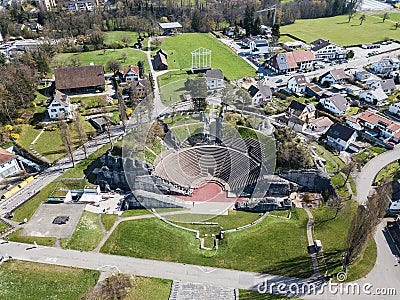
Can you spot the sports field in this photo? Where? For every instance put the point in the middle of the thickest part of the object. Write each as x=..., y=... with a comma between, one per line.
x=339, y=30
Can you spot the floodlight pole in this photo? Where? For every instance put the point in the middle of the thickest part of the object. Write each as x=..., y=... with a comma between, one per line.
x=273, y=7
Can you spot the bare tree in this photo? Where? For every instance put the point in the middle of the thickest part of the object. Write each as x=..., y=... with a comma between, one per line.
x=126, y=40
x=362, y=18
x=67, y=140
x=113, y=65
x=364, y=224
x=347, y=169
x=80, y=130
x=385, y=17
x=124, y=57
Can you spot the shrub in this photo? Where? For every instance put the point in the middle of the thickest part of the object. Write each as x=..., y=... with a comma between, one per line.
x=14, y=136
x=8, y=127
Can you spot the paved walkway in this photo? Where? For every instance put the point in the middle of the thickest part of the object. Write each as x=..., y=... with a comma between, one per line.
x=310, y=239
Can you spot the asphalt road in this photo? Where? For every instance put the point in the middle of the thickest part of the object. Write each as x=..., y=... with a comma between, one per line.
x=366, y=177
x=51, y=174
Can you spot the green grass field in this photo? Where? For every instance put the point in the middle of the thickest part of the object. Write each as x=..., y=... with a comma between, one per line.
x=3, y=227
x=372, y=30
x=388, y=173
x=17, y=237
x=99, y=58
x=116, y=36
x=179, y=54
x=108, y=221
x=145, y=288
x=258, y=249
x=87, y=234
x=26, y=280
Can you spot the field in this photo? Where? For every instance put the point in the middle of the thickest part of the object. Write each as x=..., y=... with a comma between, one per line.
x=100, y=58
x=179, y=56
x=26, y=280
x=116, y=36
x=388, y=173
x=372, y=30
x=45, y=241
x=145, y=288
x=108, y=221
x=258, y=249
x=87, y=234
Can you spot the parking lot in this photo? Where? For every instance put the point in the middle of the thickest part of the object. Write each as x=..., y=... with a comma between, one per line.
x=41, y=222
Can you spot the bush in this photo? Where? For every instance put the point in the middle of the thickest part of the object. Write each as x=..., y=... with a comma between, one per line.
x=102, y=88
x=50, y=128
x=8, y=127
x=39, y=125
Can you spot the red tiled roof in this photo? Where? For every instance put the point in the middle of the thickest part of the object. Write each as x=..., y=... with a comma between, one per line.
x=302, y=55
x=134, y=69
x=6, y=156
x=372, y=118
x=394, y=127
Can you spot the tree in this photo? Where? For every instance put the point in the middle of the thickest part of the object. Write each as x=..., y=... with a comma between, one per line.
x=113, y=65
x=362, y=18
x=351, y=7
x=350, y=54
x=347, y=169
x=396, y=25
x=141, y=68
x=97, y=39
x=196, y=21
x=364, y=223
x=275, y=31
x=198, y=91
x=124, y=57
x=80, y=130
x=385, y=17
x=126, y=40
x=67, y=140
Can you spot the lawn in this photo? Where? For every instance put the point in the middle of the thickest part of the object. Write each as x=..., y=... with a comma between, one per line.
x=253, y=295
x=179, y=49
x=257, y=249
x=17, y=237
x=27, y=135
x=116, y=36
x=3, y=227
x=388, y=173
x=82, y=167
x=372, y=30
x=54, y=150
x=100, y=58
x=27, y=280
x=108, y=221
x=332, y=233
x=145, y=288
x=87, y=234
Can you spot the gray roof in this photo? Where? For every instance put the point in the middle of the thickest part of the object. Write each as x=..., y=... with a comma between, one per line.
x=340, y=131
x=265, y=90
x=214, y=74
x=319, y=44
x=388, y=84
x=61, y=98
x=170, y=25
x=337, y=74
x=300, y=79
x=339, y=101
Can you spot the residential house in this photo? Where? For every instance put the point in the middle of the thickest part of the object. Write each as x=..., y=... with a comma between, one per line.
x=79, y=78
x=297, y=124
x=335, y=76
x=387, y=85
x=336, y=104
x=313, y=90
x=138, y=88
x=394, y=108
x=320, y=124
x=60, y=107
x=374, y=124
x=131, y=73
x=297, y=84
x=291, y=61
x=80, y=5
x=46, y=4
x=259, y=46
x=9, y=164
x=324, y=49
x=375, y=97
x=341, y=137
x=230, y=31
x=300, y=110
x=260, y=95
x=160, y=60
x=362, y=76
x=385, y=65
x=214, y=79
x=295, y=45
